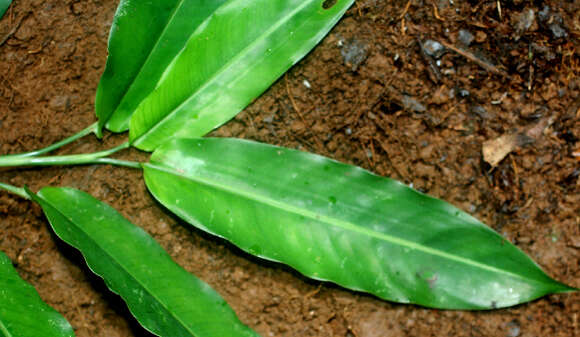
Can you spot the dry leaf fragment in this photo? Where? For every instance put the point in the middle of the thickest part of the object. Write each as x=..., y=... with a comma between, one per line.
x=495, y=150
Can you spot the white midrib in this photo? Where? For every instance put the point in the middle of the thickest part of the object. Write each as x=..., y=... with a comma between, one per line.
x=335, y=222
x=155, y=45
x=223, y=69
x=4, y=330
x=112, y=258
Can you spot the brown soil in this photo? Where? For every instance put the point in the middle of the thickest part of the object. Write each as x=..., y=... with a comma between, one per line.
x=375, y=100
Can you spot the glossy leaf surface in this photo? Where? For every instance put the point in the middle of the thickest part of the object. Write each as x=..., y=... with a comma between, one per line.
x=164, y=298
x=145, y=37
x=4, y=4
x=337, y=222
x=22, y=311
x=236, y=54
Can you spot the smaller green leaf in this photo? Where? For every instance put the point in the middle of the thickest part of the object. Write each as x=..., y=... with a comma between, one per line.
x=4, y=4
x=233, y=56
x=145, y=37
x=165, y=298
x=22, y=311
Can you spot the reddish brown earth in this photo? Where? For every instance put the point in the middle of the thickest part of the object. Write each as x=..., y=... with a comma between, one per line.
x=375, y=100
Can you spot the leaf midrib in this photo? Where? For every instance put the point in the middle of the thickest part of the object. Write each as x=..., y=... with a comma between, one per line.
x=336, y=222
x=155, y=45
x=223, y=69
x=121, y=265
x=4, y=330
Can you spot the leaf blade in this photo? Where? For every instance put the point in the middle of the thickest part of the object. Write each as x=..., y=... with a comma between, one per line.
x=336, y=222
x=22, y=311
x=165, y=299
x=144, y=38
x=236, y=54
x=4, y=4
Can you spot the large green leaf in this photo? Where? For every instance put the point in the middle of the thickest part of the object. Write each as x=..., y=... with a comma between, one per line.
x=236, y=54
x=337, y=222
x=164, y=298
x=145, y=37
x=4, y=4
x=22, y=312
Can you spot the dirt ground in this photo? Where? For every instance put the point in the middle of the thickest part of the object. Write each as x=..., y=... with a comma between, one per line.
x=380, y=92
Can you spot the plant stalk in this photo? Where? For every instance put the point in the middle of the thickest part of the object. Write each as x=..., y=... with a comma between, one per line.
x=74, y=159
x=118, y=162
x=91, y=129
x=20, y=191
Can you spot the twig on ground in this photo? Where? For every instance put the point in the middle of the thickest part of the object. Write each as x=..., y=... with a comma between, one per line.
x=436, y=11
x=14, y=29
x=359, y=11
x=433, y=70
x=405, y=10
x=470, y=56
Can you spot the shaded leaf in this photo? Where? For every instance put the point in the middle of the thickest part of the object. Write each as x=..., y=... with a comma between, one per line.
x=337, y=222
x=22, y=311
x=236, y=54
x=164, y=298
x=4, y=4
x=145, y=37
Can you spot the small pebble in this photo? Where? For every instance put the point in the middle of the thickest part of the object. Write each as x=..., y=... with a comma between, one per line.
x=554, y=22
x=480, y=111
x=466, y=37
x=561, y=92
x=306, y=84
x=433, y=48
x=412, y=104
x=354, y=53
x=513, y=329
x=558, y=31
x=452, y=92
x=525, y=20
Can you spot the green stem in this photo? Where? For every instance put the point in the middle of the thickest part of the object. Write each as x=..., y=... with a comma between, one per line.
x=118, y=162
x=91, y=129
x=74, y=159
x=16, y=190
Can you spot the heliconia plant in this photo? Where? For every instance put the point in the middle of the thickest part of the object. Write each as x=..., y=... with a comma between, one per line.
x=193, y=67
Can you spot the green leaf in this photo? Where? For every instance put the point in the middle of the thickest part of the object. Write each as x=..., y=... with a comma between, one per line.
x=165, y=299
x=145, y=37
x=22, y=311
x=337, y=222
x=236, y=54
x=4, y=4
